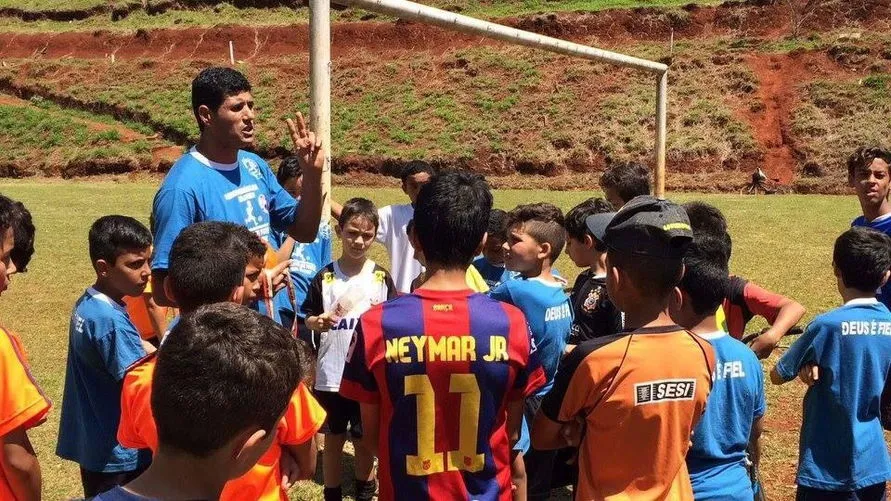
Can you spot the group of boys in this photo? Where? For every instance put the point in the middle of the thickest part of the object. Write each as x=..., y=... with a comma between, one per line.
x=459, y=395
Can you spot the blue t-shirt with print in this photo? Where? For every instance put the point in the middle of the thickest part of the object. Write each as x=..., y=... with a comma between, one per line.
x=306, y=262
x=195, y=190
x=717, y=458
x=883, y=224
x=102, y=344
x=842, y=446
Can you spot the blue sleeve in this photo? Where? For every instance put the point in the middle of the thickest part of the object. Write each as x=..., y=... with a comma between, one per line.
x=119, y=347
x=802, y=351
x=502, y=293
x=327, y=250
x=172, y=211
x=282, y=206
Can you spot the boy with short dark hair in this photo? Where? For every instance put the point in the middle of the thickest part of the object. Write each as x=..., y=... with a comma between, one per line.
x=594, y=315
x=102, y=344
x=491, y=264
x=23, y=405
x=338, y=295
x=222, y=384
x=211, y=260
x=842, y=454
x=728, y=435
x=23, y=231
x=640, y=392
x=623, y=181
x=535, y=239
x=869, y=173
x=446, y=364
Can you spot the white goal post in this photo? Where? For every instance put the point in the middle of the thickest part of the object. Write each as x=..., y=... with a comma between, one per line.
x=320, y=63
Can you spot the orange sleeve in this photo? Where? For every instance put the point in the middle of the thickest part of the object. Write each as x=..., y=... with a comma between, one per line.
x=303, y=418
x=136, y=429
x=22, y=403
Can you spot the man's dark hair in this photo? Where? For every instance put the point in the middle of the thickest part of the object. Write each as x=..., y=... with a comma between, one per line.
x=111, y=236
x=628, y=179
x=708, y=220
x=657, y=276
x=252, y=243
x=541, y=221
x=451, y=216
x=23, y=231
x=496, y=227
x=213, y=85
x=575, y=218
x=358, y=207
x=289, y=169
x=862, y=256
x=207, y=262
x=223, y=370
x=416, y=167
x=705, y=274
x=864, y=157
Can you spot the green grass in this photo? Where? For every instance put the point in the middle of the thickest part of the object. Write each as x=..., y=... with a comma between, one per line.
x=50, y=5
x=782, y=242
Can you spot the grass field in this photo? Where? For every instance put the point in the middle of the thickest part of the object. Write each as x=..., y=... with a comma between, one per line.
x=784, y=243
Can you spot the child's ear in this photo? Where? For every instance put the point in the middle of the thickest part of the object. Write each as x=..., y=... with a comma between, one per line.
x=337, y=229
x=544, y=250
x=237, y=295
x=676, y=303
x=885, y=277
x=482, y=245
x=102, y=267
x=168, y=288
x=245, y=447
x=588, y=242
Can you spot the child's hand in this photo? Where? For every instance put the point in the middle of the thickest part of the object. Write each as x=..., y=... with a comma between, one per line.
x=289, y=468
x=809, y=374
x=320, y=323
x=572, y=431
x=278, y=275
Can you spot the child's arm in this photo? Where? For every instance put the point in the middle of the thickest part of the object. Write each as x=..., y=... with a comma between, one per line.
x=284, y=252
x=803, y=353
x=755, y=442
x=298, y=462
x=371, y=419
x=518, y=466
x=157, y=315
x=320, y=323
x=781, y=313
x=20, y=465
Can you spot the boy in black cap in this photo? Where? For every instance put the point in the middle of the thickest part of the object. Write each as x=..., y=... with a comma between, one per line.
x=639, y=392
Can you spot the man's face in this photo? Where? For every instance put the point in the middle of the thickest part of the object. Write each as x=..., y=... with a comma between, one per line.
x=233, y=122
x=612, y=195
x=357, y=235
x=412, y=185
x=7, y=268
x=130, y=272
x=872, y=182
x=293, y=186
x=252, y=279
x=521, y=250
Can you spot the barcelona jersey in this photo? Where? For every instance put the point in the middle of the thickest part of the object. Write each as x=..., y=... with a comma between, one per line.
x=443, y=366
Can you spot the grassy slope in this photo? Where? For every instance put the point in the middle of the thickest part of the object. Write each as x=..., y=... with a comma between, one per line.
x=783, y=243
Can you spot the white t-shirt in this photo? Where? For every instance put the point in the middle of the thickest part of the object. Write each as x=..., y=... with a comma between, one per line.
x=374, y=286
x=391, y=232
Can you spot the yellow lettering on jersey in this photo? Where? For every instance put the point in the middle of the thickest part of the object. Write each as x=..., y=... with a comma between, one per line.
x=436, y=349
x=419, y=342
x=497, y=349
x=397, y=350
x=468, y=349
x=453, y=350
x=466, y=457
x=427, y=460
x=442, y=307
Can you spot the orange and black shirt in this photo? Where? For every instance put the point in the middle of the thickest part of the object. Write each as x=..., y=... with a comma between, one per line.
x=640, y=393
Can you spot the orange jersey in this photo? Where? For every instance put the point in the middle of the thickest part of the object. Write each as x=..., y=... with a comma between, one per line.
x=303, y=418
x=22, y=402
x=641, y=394
x=138, y=311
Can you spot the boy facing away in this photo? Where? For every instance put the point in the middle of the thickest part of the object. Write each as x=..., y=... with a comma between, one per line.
x=102, y=343
x=23, y=405
x=842, y=451
x=641, y=392
x=209, y=264
x=223, y=380
x=338, y=295
x=731, y=425
x=441, y=374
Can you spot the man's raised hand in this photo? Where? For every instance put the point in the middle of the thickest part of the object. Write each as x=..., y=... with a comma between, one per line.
x=308, y=145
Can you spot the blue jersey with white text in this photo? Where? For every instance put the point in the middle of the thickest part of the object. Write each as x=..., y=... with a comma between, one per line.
x=883, y=224
x=842, y=443
x=717, y=458
x=306, y=262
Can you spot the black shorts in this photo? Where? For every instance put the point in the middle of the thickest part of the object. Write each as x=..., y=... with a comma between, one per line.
x=343, y=414
x=871, y=493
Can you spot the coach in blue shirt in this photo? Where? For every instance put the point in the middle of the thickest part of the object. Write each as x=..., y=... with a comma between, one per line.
x=218, y=180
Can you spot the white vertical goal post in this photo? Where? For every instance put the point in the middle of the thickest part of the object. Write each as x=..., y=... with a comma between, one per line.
x=320, y=65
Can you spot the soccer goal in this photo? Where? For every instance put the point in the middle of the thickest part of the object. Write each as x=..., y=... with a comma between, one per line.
x=320, y=63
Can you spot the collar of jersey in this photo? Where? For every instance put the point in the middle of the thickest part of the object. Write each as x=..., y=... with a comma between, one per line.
x=209, y=163
x=433, y=294
x=105, y=299
x=879, y=219
x=546, y=283
x=711, y=336
x=862, y=301
x=662, y=329
x=367, y=268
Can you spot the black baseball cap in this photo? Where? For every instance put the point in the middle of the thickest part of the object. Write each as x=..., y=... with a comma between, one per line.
x=649, y=226
x=597, y=224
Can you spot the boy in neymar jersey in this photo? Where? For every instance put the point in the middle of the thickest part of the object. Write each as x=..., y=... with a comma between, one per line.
x=743, y=300
x=219, y=180
x=441, y=373
x=222, y=384
x=23, y=405
x=207, y=266
x=869, y=172
x=637, y=394
x=491, y=264
x=842, y=451
x=338, y=295
x=535, y=239
x=102, y=343
x=306, y=259
x=732, y=423
x=594, y=315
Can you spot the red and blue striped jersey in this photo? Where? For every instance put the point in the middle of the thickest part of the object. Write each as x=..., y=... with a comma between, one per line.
x=443, y=366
